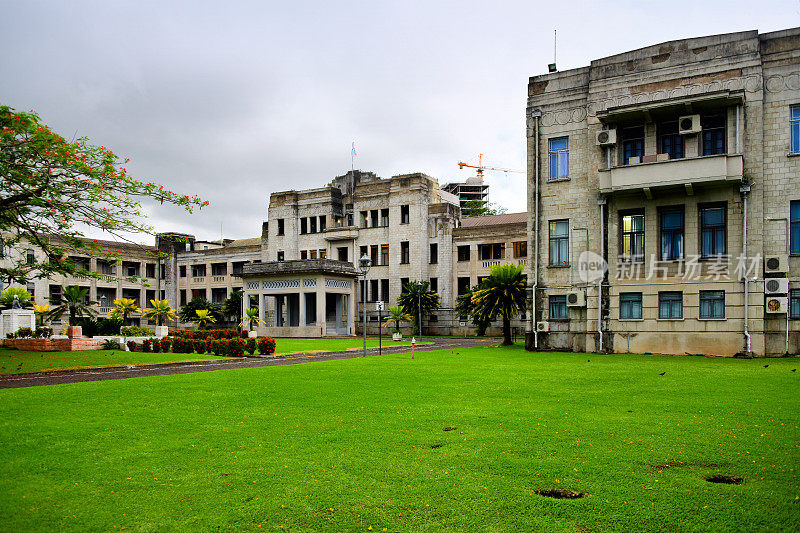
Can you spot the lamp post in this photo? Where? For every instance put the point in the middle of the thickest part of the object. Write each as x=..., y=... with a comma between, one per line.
x=103, y=300
x=363, y=265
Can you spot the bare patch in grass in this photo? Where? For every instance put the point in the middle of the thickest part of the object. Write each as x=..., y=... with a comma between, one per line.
x=449, y=428
x=560, y=494
x=727, y=480
x=434, y=446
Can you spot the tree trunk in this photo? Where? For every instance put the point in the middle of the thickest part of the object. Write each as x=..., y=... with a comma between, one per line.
x=506, y=332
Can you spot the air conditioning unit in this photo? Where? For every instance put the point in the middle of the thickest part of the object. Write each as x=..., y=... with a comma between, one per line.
x=606, y=137
x=576, y=299
x=776, y=285
x=689, y=124
x=543, y=326
x=777, y=304
x=776, y=264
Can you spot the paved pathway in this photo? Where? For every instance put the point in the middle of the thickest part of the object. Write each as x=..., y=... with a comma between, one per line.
x=100, y=374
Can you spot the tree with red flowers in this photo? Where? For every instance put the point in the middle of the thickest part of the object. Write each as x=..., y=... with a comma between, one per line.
x=52, y=188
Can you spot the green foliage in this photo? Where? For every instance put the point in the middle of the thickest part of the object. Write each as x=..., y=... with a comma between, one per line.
x=74, y=300
x=232, y=307
x=7, y=298
x=465, y=307
x=203, y=318
x=251, y=319
x=160, y=311
x=479, y=208
x=53, y=187
x=266, y=346
x=111, y=344
x=123, y=309
x=417, y=297
x=501, y=294
x=136, y=331
x=188, y=313
x=251, y=346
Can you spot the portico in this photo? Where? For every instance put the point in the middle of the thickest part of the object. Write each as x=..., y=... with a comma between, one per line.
x=302, y=298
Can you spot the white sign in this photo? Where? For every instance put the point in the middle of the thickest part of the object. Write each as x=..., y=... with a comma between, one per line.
x=379, y=305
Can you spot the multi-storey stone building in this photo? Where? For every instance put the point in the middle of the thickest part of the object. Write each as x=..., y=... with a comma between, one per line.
x=679, y=164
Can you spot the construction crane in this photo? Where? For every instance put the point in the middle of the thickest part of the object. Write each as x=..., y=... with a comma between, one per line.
x=480, y=168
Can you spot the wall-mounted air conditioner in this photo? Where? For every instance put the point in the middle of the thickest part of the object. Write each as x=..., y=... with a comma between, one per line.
x=777, y=304
x=576, y=299
x=689, y=124
x=776, y=264
x=776, y=285
x=543, y=326
x=606, y=137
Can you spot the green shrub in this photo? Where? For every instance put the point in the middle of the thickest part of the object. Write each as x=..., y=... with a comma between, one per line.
x=43, y=332
x=156, y=346
x=200, y=346
x=132, y=346
x=251, y=346
x=136, y=331
x=165, y=344
x=236, y=347
x=111, y=344
x=24, y=333
x=147, y=345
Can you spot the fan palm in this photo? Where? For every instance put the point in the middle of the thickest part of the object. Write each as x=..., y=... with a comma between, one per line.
x=396, y=315
x=251, y=319
x=418, y=298
x=74, y=300
x=42, y=313
x=160, y=312
x=503, y=293
x=124, y=308
x=203, y=318
x=465, y=307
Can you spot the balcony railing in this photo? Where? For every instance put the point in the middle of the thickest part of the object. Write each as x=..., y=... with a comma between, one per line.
x=675, y=172
x=219, y=278
x=199, y=280
x=489, y=264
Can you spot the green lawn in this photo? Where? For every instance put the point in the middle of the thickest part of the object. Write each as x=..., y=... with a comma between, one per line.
x=360, y=443
x=21, y=362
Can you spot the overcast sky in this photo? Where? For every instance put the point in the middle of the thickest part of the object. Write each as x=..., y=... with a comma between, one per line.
x=233, y=100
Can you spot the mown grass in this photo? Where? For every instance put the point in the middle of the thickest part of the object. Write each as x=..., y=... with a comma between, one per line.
x=21, y=362
x=356, y=444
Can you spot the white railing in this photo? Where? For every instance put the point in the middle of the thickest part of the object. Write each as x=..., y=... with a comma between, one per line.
x=489, y=264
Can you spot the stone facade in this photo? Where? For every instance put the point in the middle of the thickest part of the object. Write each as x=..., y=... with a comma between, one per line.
x=702, y=129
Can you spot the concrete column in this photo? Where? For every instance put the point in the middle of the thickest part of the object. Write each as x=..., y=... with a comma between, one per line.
x=302, y=314
x=320, y=292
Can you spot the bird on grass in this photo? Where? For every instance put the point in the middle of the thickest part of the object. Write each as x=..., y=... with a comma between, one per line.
x=661, y=374
x=765, y=366
x=793, y=370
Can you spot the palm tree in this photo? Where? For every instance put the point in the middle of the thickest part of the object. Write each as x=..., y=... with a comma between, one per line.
x=203, y=318
x=464, y=307
x=124, y=308
x=251, y=319
x=417, y=297
x=502, y=293
x=42, y=313
x=74, y=300
x=396, y=315
x=160, y=312
x=188, y=312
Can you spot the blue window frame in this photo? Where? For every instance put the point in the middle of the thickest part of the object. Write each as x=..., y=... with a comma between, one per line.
x=672, y=235
x=671, y=140
x=794, y=208
x=630, y=305
x=713, y=231
x=670, y=304
x=632, y=143
x=794, y=303
x=794, y=129
x=712, y=304
x=713, y=134
x=559, y=159
x=558, y=307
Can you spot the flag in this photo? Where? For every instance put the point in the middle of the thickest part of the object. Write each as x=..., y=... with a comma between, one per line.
x=353, y=150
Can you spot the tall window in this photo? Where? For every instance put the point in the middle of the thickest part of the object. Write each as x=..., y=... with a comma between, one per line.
x=280, y=226
x=794, y=303
x=558, y=307
x=794, y=129
x=303, y=226
x=669, y=140
x=795, y=229
x=559, y=242
x=713, y=134
x=280, y=256
x=632, y=143
x=672, y=235
x=342, y=250
x=712, y=304
x=630, y=305
x=385, y=217
x=312, y=222
x=670, y=304
x=384, y=254
x=495, y=250
x=404, y=214
x=405, y=257
x=520, y=249
x=30, y=257
x=323, y=222
x=463, y=253
x=374, y=218
x=559, y=159
x=181, y=270
x=403, y=283
x=385, y=290
x=713, y=230
x=633, y=237
x=373, y=254
x=303, y=254
x=434, y=284
x=463, y=285
x=434, y=253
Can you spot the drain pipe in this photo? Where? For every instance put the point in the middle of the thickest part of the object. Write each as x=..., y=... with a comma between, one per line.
x=745, y=190
x=536, y=115
x=602, y=203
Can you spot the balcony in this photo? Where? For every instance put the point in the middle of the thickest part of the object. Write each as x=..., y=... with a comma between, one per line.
x=706, y=170
x=341, y=233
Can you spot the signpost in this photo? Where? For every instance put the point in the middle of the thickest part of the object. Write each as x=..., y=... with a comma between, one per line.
x=379, y=308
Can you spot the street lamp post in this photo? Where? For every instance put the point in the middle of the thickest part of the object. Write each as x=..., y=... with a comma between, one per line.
x=363, y=265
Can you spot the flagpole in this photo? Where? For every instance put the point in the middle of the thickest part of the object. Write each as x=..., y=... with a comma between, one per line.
x=352, y=156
